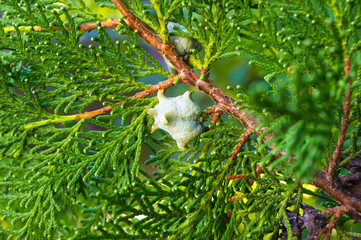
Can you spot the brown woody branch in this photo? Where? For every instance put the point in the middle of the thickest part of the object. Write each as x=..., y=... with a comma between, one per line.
x=345, y=198
x=152, y=89
x=346, y=191
x=314, y=220
x=346, y=113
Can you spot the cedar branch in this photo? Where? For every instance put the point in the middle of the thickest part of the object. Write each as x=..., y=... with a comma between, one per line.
x=188, y=76
x=226, y=104
x=346, y=113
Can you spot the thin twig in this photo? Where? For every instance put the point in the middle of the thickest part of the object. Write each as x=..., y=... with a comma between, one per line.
x=236, y=177
x=113, y=23
x=346, y=113
x=337, y=212
x=247, y=133
x=211, y=110
x=349, y=202
x=216, y=115
x=152, y=89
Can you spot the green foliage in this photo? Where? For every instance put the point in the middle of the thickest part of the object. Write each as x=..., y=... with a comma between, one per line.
x=305, y=46
x=81, y=179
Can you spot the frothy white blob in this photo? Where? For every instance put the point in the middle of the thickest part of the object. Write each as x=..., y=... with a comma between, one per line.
x=179, y=116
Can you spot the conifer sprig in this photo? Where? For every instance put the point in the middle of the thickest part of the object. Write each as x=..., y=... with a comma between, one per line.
x=151, y=89
x=111, y=23
x=186, y=73
x=71, y=172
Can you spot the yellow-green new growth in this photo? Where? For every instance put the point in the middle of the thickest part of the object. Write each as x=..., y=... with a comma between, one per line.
x=179, y=116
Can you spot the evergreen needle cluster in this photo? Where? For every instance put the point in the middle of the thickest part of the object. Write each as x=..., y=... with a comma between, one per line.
x=69, y=174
